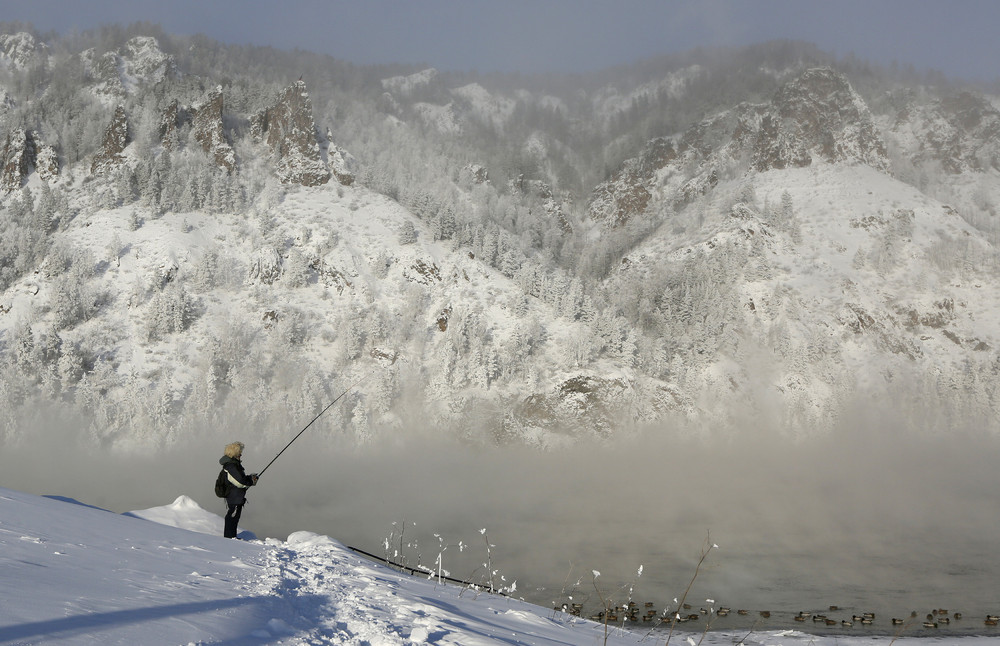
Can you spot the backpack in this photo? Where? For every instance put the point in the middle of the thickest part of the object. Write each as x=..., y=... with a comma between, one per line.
x=222, y=485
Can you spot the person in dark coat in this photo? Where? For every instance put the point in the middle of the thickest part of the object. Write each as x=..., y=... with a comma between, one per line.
x=240, y=482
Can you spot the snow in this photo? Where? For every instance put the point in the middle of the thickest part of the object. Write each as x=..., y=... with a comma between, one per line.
x=77, y=574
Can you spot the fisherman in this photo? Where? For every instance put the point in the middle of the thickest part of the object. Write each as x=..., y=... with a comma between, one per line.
x=239, y=481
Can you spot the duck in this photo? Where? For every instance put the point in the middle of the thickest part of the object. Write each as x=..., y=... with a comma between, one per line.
x=897, y=621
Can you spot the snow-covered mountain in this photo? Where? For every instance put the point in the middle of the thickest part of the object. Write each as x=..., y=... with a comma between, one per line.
x=687, y=247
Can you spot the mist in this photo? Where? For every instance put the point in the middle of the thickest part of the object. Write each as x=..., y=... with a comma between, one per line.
x=885, y=516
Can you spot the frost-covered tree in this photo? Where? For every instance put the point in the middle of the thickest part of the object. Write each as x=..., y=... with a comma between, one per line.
x=74, y=299
x=170, y=310
x=407, y=233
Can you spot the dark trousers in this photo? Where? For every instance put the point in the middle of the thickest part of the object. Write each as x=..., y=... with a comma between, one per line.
x=232, y=519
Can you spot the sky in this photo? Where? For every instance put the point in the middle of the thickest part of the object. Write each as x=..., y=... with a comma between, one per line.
x=528, y=36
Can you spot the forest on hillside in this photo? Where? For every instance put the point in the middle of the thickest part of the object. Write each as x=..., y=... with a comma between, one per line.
x=428, y=141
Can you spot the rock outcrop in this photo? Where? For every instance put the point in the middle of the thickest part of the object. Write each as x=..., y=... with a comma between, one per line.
x=628, y=192
x=475, y=174
x=170, y=120
x=961, y=132
x=110, y=156
x=818, y=115
x=207, y=125
x=342, y=164
x=18, y=158
x=118, y=73
x=46, y=159
x=144, y=62
x=288, y=129
x=104, y=71
x=22, y=152
x=17, y=51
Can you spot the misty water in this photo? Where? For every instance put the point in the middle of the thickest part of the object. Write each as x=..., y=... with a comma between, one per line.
x=872, y=519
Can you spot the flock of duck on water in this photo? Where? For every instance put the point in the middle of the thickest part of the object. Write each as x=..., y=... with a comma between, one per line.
x=630, y=613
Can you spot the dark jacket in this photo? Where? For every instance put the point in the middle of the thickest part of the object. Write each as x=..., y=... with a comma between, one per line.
x=238, y=478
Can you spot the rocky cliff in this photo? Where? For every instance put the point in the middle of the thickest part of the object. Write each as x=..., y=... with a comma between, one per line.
x=18, y=50
x=119, y=72
x=961, y=132
x=209, y=131
x=22, y=152
x=628, y=192
x=18, y=158
x=116, y=137
x=816, y=116
x=288, y=129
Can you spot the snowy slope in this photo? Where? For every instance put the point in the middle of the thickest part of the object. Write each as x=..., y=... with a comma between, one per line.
x=501, y=310
x=76, y=574
x=869, y=284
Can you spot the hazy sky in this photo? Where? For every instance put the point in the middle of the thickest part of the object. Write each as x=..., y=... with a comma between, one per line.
x=956, y=36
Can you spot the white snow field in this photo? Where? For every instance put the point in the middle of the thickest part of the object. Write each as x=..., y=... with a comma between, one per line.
x=76, y=574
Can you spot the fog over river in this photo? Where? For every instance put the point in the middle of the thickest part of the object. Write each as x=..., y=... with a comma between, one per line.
x=868, y=518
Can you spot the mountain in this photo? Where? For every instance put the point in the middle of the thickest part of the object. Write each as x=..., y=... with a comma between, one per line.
x=200, y=236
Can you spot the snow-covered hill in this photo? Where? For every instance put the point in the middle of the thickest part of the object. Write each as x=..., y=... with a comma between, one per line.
x=76, y=574
x=856, y=295
x=198, y=256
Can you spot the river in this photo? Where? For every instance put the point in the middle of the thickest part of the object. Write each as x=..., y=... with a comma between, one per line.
x=868, y=521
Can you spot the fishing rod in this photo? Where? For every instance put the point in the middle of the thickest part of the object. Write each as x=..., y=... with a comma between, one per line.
x=416, y=571
x=328, y=406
